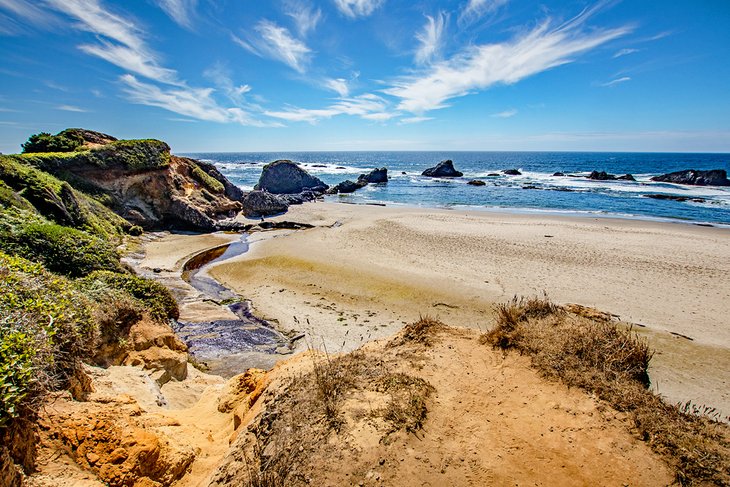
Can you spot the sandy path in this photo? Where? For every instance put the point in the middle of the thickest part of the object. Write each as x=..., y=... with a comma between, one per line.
x=381, y=267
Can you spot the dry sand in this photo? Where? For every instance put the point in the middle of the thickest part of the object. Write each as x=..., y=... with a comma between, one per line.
x=367, y=270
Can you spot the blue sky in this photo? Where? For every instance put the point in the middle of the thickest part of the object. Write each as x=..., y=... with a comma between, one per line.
x=246, y=75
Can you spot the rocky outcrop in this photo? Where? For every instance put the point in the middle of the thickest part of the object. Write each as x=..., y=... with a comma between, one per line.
x=476, y=182
x=260, y=203
x=142, y=182
x=715, y=177
x=512, y=172
x=604, y=176
x=444, y=169
x=347, y=186
x=375, y=176
x=285, y=177
x=672, y=197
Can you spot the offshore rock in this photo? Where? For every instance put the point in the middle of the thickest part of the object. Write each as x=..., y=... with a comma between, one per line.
x=347, y=186
x=512, y=172
x=715, y=177
x=260, y=203
x=476, y=182
x=285, y=177
x=444, y=169
x=375, y=176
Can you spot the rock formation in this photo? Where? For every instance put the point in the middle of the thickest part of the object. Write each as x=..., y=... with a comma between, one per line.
x=145, y=184
x=444, y=169
x=512, y=172
x=285, y=177
x=377, y=175
x=260, y=203
x=346, y=186
x=715, y=177
x=476, y=182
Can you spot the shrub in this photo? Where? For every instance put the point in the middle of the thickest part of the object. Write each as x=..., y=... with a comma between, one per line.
x=62, y=250
x=45, y=325
x=45, y=142
x=207, y=180
x=135, y=231
x=153, y=296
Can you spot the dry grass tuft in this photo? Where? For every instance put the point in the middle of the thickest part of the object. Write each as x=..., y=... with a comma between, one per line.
x=406, y=409
x=611, y=361
x=421, y=331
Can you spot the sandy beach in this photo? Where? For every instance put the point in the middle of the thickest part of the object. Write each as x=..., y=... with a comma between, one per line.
x=366, y=270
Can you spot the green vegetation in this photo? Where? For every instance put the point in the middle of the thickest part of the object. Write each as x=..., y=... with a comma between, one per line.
x=45, y=142
x=46, y=324
x=207, y=180
x=153, y=296
x=61, y=249
x=25, y=187
x=608, y=360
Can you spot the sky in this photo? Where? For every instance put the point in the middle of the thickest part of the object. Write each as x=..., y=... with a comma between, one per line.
x=294, y=75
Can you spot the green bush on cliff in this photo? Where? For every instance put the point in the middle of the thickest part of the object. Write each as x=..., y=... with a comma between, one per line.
x=61, y=249
x=45, y=142
x=153, y=296
x=207, y=180
x=25, y=186
x=45, y=325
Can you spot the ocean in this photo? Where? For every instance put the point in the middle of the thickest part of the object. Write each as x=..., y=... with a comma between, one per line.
x=535, y=191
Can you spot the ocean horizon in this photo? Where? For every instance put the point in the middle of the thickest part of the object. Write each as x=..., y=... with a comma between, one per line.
x=535, y=190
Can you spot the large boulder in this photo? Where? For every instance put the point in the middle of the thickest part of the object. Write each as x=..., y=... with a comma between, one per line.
x=601, y=176
x=347, y=186
x=285, y=177
x=260, y=203
x=715, y=177
x=375, y=176
x=444, y=169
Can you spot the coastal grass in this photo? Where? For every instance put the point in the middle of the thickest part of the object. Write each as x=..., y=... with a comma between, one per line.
x=609, y=360
x=315, y=408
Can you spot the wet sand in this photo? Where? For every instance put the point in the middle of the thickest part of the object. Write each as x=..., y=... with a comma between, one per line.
x=367, y=270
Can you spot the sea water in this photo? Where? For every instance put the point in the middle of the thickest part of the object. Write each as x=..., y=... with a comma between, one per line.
x=536, y=190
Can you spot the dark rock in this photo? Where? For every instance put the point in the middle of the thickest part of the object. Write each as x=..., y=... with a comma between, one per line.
x=558, y=174
x=674, y=198
x=530, y=186
x=715, y=177
x=493, y=174
x=282, y=225
x=375, y=176
x=403, y=172
x=292, y=199
x=319, y=165
x=626, y=177
x=476, y=182
x=157, y=270
x=347, y=186
x=512, y=172
x=340, y=167
x=285, y=177
x=601, y=176
x=261, y=203
x=444, y=169
x=563, y=188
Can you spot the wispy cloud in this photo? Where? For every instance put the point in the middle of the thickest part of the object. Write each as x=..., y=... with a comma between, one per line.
x=120, y=39
x=430, y=38
x=197, y=103
x=367, y=106
x=476, y=9
x=338, y=85
x=409, y=120
x=181, y=11
x=276, y=42
x=506, y=113
x=71, y=108
x=25, y=10
x=616, y=81
x=625, y=52
x=305, y=16
x=358, y=8
x=220, y=76
x=483, y=66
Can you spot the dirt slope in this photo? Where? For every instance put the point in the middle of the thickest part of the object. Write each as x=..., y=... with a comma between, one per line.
x=489, y=419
